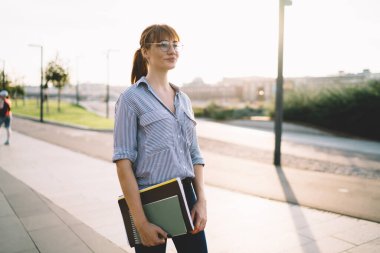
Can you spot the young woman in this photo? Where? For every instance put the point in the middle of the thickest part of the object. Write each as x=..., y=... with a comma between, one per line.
x=5, y=114
x=155, y=140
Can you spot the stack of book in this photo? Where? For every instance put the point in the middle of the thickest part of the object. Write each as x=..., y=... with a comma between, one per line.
x=164, y=205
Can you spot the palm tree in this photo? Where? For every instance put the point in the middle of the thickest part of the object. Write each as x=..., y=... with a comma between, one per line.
x=58, y=76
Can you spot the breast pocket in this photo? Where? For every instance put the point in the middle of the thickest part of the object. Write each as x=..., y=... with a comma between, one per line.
x=159, y=130
x=189, y=127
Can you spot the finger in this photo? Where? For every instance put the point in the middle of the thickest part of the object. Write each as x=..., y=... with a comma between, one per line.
x=194, y=231
x=201, y=224
x=160, y=239
x=161, y=233
x=193, y=215
x=198, y=222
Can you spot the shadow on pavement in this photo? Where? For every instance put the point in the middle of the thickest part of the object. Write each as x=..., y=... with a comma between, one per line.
x=298, y=217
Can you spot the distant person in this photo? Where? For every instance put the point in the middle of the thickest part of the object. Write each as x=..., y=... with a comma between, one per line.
x=155, y=140
x=5, y=114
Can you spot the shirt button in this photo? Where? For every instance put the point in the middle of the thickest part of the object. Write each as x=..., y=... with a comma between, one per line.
x=180, y=151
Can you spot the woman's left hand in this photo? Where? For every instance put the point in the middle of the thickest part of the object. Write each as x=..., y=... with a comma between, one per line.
x=199, y=216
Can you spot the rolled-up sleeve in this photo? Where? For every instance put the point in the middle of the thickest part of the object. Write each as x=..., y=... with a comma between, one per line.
x=125, y=132
x=195, y=152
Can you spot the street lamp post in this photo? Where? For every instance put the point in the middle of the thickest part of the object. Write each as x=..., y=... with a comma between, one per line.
x=3, y=74
x=77, y=86
x=279, y=84
x=108, y=81
x=42, y=82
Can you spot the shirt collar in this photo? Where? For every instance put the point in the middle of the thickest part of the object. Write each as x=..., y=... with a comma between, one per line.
x=143, y=80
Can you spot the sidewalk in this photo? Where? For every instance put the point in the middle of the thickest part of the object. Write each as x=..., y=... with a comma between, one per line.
x=31, y=223
x=72, y=186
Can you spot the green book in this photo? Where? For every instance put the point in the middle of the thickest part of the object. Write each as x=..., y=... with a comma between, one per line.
x=164, y=205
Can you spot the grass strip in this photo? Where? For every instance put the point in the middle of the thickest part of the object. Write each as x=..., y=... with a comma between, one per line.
x=70, y=114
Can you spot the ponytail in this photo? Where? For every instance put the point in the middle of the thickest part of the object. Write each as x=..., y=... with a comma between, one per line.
x=139, y=68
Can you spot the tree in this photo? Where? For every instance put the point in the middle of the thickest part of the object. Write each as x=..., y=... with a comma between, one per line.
x=14, y=88
x=58, y=76
x=5, y=81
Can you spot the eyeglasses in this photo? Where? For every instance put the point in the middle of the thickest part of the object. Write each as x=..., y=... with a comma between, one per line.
x=165, y=45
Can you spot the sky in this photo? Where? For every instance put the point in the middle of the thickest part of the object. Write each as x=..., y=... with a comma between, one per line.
x=221, y=38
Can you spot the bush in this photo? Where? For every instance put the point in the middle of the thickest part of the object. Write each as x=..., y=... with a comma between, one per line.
x=217, y=112
x=352, y=110
x=198, y=111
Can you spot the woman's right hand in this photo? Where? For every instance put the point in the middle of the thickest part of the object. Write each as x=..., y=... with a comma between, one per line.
x=151, y=235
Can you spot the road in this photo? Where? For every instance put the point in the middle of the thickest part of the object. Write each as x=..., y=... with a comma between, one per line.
x=302, y=148
x=240, y=159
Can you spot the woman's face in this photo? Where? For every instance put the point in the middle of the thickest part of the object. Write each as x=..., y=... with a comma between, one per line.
x=163, y=55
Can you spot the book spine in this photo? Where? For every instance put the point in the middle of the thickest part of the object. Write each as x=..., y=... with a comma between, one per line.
x=185, y=207
x=130, y=227
x=136, y=237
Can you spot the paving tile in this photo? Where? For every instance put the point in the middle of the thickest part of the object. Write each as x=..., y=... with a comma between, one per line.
x=31, y=210
x=96, y=242
x=27, y=203
x=320, y=215
x=370, y=247
x=325, y=245
x=295, y=223
x=5, y=209
x=38, y=221
x=100, y=217
x=67, y=218
x=330, y=228
x=13, y=237
x=296, y=218
x=58, y=239
x=30, y=251
x=112, y=231
x=121, y=240
x=361, y=234
x=10, y=225
x=71, y=199
x=77, y=248
x=23, y=198
x=9, y=184
x=284, y=241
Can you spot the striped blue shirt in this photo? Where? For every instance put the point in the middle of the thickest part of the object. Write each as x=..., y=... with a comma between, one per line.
x=160, y=144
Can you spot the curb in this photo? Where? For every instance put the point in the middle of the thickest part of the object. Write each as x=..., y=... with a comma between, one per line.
x=64, y=124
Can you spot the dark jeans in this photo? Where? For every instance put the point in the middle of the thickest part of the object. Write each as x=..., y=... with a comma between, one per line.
x=185, y=243
x=6, y=121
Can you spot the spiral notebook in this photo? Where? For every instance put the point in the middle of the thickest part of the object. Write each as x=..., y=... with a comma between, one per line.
x=164, y=205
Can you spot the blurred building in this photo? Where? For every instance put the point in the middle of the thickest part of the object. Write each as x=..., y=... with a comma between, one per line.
x=341, y=80
x=256, y=90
